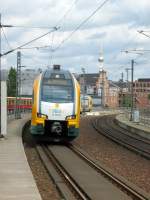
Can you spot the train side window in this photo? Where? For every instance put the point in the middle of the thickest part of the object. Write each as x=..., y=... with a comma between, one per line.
x=33, y=97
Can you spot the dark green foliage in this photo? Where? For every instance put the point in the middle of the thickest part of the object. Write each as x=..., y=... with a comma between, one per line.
x=148, y=96
x=127, y=101
x=11, y=82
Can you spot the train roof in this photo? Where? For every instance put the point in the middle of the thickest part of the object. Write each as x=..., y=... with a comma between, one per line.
x=57, y=73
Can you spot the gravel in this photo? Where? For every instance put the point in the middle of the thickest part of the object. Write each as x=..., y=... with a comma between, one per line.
x=44, y=183
x=124, y=162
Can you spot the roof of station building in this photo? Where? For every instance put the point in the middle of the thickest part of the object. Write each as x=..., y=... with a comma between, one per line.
x=90, y=79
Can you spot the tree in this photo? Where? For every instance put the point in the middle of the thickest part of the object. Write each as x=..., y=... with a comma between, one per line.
x=11, y=82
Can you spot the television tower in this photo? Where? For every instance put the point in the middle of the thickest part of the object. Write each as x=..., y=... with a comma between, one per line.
x=101, y=60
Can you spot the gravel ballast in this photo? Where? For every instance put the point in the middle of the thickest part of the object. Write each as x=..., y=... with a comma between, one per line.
x=124, y=162
x=44, y=183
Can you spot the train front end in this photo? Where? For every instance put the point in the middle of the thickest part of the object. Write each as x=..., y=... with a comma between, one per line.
x=56, y=106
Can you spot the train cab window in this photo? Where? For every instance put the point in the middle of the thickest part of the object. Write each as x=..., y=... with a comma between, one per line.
x=57, y=93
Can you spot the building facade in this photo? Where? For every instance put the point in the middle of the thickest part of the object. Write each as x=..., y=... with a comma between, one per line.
x=27, y=79
x=141, y=90
x=98, y=86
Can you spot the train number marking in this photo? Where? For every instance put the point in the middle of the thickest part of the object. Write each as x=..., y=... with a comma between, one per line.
x=56, y=112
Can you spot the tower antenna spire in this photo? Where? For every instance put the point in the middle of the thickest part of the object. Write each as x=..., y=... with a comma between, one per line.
x=101, y=59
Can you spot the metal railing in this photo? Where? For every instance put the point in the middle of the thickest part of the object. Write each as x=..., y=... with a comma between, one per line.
x=144, y=115
x=11, y=113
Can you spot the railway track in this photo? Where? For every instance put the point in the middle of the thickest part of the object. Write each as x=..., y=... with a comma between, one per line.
x=106, y=125
x=71, y=168
x=59, y=175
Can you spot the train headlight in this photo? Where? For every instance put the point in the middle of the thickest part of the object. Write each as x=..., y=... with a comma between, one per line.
x=71, y=117
x=42, y=115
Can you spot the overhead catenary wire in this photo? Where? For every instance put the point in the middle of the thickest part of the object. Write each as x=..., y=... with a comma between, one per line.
x=36, y=27
x=81, y=24
x=143, y=33
x=51, y=55
x=57, y=24
x=61, y=24
x=25, y=44
x=66, y=13
x=34, y=59
x=55, y=28
x=36, y=47
x=31, y=27
x=137, y=51
x=8, y=44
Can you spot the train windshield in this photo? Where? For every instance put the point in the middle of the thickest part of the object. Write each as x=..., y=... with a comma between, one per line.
x=57, y=93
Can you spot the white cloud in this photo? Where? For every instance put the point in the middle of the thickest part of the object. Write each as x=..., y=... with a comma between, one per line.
x=4, y=63
x=115, y=26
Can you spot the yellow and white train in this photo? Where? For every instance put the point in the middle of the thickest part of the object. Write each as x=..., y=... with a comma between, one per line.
x=86, y=103
x=56, y=106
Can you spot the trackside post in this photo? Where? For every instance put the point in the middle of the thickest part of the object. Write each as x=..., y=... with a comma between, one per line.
x=3, y=108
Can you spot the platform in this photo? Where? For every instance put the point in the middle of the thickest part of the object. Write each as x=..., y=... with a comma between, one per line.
x=102, y=112
x=16, y=179
x=133, y=127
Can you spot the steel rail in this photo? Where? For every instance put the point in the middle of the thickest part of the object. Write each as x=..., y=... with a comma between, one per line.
x=107, y=133
x=116, y=127
x=133, y=191
x=125, y=185
x=63, y=172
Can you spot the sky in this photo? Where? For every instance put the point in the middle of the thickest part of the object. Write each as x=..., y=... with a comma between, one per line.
x=112, y=30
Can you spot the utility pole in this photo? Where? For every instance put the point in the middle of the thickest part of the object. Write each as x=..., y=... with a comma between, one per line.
x=122, y=77
x=132, y=94
x=121, y=91
x=102, y=90
x=18, y=86
x=127, y=70
x=1, y=26
x=0, y=72
x=84, y=92
x=14, y=49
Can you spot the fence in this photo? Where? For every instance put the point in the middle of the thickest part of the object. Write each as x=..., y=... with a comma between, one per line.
x=144, y=115
x=11, y=113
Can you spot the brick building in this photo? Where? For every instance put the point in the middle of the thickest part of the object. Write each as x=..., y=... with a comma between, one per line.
x=88, y=83
x=141, y=88
x=98, y=86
